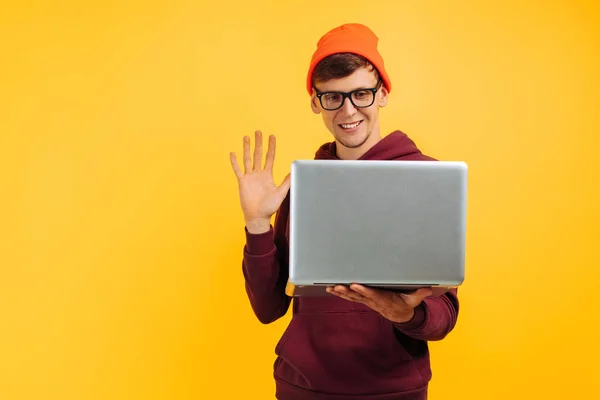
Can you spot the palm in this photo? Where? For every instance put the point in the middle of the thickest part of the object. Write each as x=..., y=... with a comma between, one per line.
x=260, y=197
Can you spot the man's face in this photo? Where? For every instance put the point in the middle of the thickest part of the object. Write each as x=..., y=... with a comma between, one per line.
x=352, y=127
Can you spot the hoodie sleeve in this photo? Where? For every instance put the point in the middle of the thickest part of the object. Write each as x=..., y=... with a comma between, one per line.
x=434, y=318
x=265, y=269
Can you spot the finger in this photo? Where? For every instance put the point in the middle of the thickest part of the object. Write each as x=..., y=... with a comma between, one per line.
x=270, y=153
x=367, y=292
x=247, y=158
x=234, y=164
x=346, y=296
x=257, y=150
x=348, y=293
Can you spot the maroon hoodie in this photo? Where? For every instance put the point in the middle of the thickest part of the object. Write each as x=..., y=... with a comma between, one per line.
x=334, y=348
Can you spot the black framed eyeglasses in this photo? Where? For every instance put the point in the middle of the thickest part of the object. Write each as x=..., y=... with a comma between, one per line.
x=360, y=98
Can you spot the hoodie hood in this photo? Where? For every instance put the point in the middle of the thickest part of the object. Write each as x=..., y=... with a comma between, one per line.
x=395, y=146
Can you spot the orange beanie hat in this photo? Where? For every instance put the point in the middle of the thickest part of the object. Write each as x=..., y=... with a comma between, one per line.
x=349, y=38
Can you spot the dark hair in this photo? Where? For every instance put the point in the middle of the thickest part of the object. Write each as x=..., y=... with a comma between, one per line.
x=340, y=65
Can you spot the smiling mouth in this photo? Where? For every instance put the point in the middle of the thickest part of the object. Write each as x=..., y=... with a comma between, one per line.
x=351, y=126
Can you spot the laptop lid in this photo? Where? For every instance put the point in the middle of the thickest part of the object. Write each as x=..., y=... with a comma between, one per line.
x=380, y=223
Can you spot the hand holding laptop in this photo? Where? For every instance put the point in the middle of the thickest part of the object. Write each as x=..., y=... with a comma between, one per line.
x=259, y=196
x=397, y=307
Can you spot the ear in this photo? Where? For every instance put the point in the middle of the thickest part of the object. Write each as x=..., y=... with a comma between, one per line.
x=383, y=96
x=314, y=103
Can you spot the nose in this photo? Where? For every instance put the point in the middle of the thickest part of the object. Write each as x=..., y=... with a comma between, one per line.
x=347, y=107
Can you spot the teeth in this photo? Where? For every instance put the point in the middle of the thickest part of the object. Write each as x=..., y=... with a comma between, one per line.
x=350, y=126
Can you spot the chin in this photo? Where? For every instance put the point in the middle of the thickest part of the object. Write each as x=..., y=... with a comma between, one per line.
x=352, y=141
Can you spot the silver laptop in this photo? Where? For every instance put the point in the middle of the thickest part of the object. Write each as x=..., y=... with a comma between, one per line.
x=398, y=225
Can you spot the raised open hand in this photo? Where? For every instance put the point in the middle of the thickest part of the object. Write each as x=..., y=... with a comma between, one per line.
x=260, y=198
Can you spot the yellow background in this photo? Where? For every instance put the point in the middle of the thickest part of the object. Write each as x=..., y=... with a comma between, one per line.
x=121, y=234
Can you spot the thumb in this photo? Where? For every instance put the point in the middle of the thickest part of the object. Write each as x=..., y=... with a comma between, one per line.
x=424, y=292
x=285, y=185
x=283, y=189
x=415, y=298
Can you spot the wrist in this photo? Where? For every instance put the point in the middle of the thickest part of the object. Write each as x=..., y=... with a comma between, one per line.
x=258, y=226
x=405, y=317
x=416, y=322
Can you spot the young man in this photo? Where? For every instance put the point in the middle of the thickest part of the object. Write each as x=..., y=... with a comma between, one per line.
x=358, y=343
